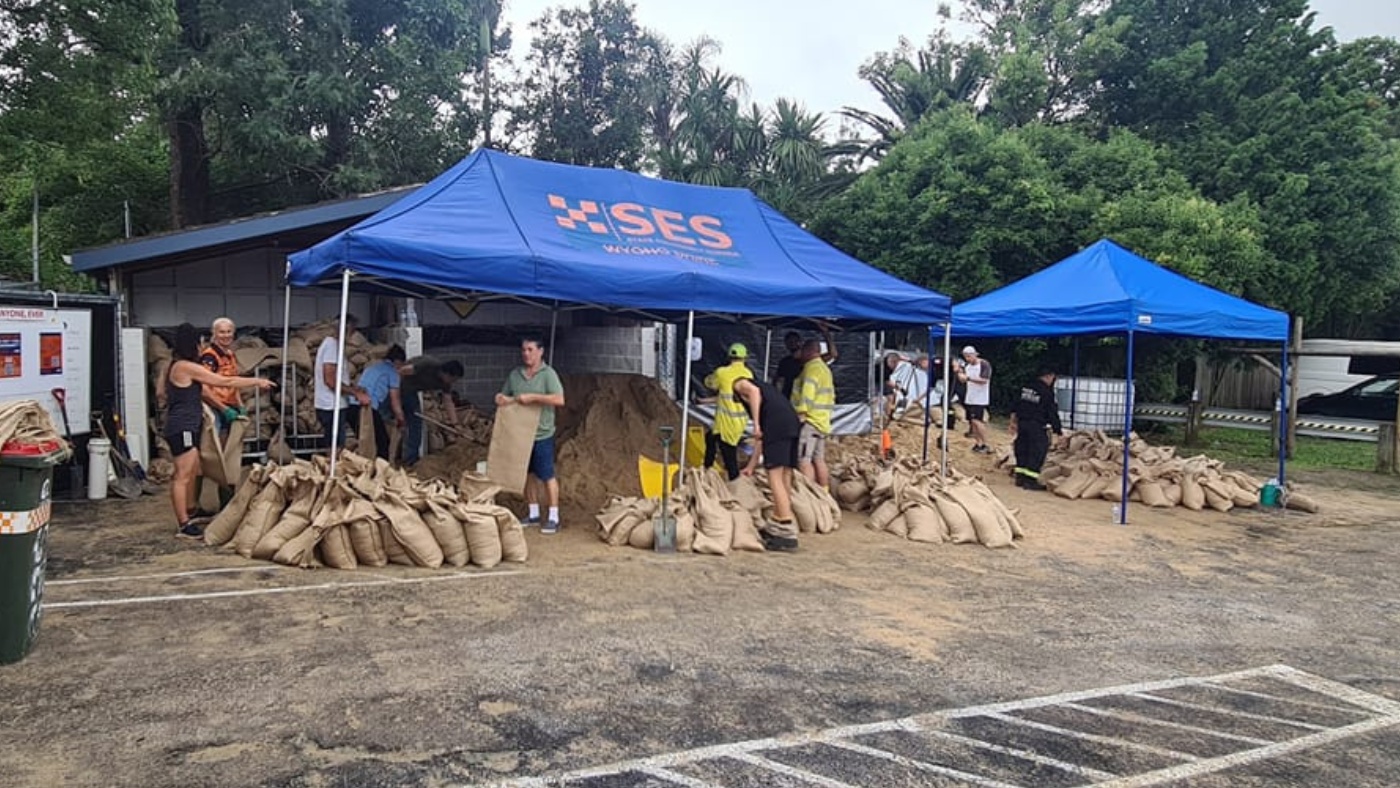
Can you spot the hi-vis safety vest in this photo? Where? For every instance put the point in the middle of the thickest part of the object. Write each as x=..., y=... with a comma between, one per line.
x=814, y=395
x=730, y=415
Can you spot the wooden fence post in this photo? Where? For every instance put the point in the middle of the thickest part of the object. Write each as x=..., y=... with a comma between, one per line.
x=1386, y=449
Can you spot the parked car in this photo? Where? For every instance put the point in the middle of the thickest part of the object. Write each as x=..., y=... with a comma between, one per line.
x=1372, y=399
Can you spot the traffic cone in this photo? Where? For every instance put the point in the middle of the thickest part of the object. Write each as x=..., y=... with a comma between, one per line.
x=886, y=444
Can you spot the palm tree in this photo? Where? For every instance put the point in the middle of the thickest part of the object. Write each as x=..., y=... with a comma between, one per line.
x=913, y=84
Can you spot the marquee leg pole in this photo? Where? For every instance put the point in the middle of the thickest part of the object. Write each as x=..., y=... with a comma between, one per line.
x=339, y=376
x=1127, y=431
x=286, y=339
x=947, y=386
x=685, y=397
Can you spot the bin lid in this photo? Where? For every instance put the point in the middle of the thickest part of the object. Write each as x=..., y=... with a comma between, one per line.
x=53, y=449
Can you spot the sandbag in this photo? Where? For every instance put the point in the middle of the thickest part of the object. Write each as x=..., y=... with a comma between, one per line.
x=643, y=536
x=924, y=523
x=448, y=533
x=851, y=491
x=366, y=444
x=960, y=527
x=1152, y=494
x=393, y=549
x=714, y=525
x=225, y=524
x=745, y=491
x=336, y=549
x=303, y=497
x=365, y=536
x=1192, y=496
x=477, y=488
x=411, y=532
x=883, y=514
x=263, y=513
x=991, y=531
x=513, y=545
x=1006, y=515
x=899, y=526
x=1300, y=502
x=1220, y=502
x=299, y=551
x=1073, y=486
x=1172, y=492
x=745, y=532
x=804, y=510
x=483, y=534
x=1100, y=485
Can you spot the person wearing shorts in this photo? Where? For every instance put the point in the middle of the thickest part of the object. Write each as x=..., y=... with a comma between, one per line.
x=976, y=372
x=536, y=384
x=184, y=392
x=776, y=427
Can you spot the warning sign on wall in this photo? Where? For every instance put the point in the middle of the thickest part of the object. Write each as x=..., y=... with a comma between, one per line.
x=46, y=349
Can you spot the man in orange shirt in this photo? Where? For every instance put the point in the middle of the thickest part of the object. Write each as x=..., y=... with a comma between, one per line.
x=219, y=359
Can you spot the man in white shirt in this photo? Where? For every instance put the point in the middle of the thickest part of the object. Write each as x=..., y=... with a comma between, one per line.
x=327, y=358
x=976, y=372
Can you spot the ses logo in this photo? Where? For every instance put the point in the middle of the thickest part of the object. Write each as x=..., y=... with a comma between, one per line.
x=631, y=228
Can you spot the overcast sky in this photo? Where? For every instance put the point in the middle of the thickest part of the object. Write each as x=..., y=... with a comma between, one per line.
x=812, y=54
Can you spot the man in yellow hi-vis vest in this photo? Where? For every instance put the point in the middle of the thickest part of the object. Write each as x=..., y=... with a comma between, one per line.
x=731, y=418
x=814, y=398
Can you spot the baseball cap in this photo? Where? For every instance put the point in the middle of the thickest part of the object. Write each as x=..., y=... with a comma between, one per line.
x=969, y=349
x=737, y=350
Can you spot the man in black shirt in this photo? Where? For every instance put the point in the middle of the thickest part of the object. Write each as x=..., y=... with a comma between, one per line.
x=790, y=367
x=775, y=431
x=1034, y=412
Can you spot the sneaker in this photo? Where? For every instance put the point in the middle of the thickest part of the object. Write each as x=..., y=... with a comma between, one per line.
x=550, y=527
x=982, y=449
x=530, y=522
x=190, y=531
x=1027, y=483
x=778, y=543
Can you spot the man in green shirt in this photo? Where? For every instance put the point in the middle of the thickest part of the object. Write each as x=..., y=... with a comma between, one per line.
x=536, y=384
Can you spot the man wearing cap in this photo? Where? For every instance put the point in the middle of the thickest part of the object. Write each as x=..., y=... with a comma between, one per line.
x=976, y=372
x=791, y=365
x=814, y=399
x=731, y=419
x=1035, y=412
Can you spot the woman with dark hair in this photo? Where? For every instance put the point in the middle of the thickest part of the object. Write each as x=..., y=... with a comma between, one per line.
x=185, y=417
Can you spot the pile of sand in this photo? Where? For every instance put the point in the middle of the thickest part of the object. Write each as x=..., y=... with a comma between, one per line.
x=607, y=422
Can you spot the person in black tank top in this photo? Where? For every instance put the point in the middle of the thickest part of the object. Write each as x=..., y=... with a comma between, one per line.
x=776, y=428
x=184, y=385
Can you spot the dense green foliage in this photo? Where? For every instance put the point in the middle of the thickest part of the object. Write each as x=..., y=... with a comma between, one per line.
x=1235, y=142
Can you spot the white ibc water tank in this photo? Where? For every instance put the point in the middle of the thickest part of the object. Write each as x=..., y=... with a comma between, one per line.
x=1098, y=403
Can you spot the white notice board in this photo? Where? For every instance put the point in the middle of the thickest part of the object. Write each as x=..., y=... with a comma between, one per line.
x=45, y=349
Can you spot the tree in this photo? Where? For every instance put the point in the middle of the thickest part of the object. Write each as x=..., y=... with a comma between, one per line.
x=1260, y=108
x=913, y=84
x=585, y=97
x=269, y=104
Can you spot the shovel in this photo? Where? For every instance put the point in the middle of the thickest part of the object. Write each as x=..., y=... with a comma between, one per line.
x=664, y=524
x=121, y=476
x=75, y=471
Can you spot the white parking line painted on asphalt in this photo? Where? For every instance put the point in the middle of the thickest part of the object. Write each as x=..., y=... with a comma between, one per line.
x=675, y=777
x=790, y=771
x=1382, y=713
x=141, y=600
x=1128, y=716
x=1244, y=757
x=917, y=765
x=1181, y=704
x=1025, y=755
x=1094, y=737
x=1278, y=699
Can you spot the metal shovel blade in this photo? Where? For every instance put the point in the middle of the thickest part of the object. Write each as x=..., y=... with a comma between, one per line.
x=663, y=526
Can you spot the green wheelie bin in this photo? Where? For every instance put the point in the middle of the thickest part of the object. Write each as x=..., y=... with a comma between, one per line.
x=26, y=481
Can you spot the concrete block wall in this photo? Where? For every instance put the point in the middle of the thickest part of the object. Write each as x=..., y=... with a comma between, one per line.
x=486, y=367
x=580, y=350
x=618, y=350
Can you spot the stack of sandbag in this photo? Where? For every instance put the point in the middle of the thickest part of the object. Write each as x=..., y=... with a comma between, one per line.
x=913, y=502
x=255, y=356
x=715, y=516
x=369, y=513
x=1089, y=465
